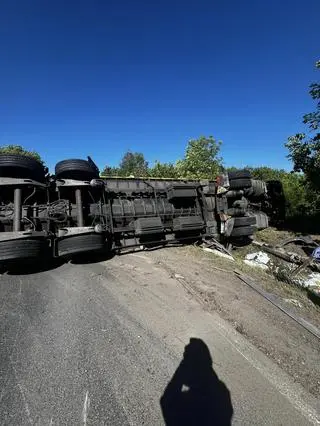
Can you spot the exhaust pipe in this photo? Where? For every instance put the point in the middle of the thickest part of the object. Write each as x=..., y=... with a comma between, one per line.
x=79, y=207
x=17, y=210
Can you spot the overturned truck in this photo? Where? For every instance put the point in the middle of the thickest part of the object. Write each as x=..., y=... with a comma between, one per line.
x=77, y=211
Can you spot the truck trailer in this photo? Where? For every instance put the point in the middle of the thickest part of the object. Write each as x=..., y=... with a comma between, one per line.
x=78, y=211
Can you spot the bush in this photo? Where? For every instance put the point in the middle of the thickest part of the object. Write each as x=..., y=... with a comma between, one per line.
x=19, y=150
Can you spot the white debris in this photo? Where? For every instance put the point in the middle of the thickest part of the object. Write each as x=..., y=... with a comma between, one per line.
x=179, y=277
x=258, y=259
x=313, y=280
x=218, y=253
x=294, y=302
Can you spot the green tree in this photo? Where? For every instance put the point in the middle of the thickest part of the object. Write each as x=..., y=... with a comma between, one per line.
x=304, y=150
x=163, y=170
x=110, y=171
x=133, y=163
x=17, y=149
x=293, y=187
x=297, y=192
x=201, y=160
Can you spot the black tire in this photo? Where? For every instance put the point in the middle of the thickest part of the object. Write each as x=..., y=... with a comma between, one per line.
x=240, y=183
x=242, y=231
x=244, y=221
x=248, y=192
x=261, y=220
x=22, y=249
x=257, y=190
x=235, y=194
x=76, y=169
x=234, y=212
x=239, y=174
x=240, y=204
x=77, y=244
x=21, y=166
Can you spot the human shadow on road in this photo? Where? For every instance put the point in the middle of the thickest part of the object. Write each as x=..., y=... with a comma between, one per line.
x=195, y=395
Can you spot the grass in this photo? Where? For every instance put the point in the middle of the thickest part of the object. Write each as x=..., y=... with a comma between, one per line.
x=273, y=236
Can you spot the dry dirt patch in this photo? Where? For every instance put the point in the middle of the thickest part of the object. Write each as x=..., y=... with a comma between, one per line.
x=286, y=342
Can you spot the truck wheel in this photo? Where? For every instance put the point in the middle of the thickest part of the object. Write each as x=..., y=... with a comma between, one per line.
x=235, y=193
x=240, y=183
x=261, y=219
x=257, y=190
x=77, y=244
x=240, y=204
x=76, y=169
x=239, y=174
x=244, y=221
x=236, y=211
x=21, y=166
x=22, y=249
x=242, y=231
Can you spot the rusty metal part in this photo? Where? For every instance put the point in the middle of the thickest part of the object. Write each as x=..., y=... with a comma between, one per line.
x=214, y=244
x=305, y=239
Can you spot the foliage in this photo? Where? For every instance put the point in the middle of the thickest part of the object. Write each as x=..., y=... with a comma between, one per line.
x=304, y=150
x=163, y=170
x=294, y=186
x=201, y=159
x=132, y=164
x=266, y=173
x=17, y=149
x=110, y=171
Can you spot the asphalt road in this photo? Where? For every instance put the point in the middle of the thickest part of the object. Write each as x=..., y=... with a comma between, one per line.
x=104, y=343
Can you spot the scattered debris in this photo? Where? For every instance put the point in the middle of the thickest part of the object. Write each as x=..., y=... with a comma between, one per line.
x=218, y=253
x=258, y=259
x=314, y=294
x=213, y=246
x=316, y=254
x=313, y=280
x=294, y=302
x=290, y=267
x=288, y=256
x=279, y=252
x=301, y=268
x=178, y=276
x=306, y=240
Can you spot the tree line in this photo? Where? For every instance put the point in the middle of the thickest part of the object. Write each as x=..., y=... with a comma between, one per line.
x=202, y=160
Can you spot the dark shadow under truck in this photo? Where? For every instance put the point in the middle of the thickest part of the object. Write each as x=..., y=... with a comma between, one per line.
x=76, y=211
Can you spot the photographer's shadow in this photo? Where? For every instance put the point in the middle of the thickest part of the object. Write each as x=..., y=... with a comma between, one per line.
x=195, y=395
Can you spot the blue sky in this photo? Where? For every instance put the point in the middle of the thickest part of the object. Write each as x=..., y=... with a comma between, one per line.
x=102, y=77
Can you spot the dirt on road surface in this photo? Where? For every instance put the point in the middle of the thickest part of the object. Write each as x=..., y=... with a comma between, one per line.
x=109, y=343
x=269, y=329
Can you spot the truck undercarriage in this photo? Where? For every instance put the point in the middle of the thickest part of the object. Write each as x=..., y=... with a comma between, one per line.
x=77, y=211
